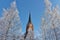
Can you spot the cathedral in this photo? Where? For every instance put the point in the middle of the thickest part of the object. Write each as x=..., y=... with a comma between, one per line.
x=29, y=34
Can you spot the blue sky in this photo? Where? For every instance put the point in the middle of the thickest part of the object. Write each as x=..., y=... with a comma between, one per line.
x=35, y=7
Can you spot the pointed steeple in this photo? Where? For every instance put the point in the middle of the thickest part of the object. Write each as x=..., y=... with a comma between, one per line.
x=29, y=26
x=29, y=18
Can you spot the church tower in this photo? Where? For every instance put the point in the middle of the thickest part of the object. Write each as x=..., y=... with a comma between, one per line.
x=29, y=29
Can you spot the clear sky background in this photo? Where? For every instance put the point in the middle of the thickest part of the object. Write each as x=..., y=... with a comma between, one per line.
x=35, y=7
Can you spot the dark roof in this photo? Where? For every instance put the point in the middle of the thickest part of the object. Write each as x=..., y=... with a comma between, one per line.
x=29, y=18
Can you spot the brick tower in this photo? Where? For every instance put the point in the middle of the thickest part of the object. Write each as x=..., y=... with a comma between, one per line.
x=29, y=29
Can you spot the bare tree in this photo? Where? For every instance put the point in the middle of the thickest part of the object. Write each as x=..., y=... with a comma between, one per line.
x=50, y=23
x=11, y=21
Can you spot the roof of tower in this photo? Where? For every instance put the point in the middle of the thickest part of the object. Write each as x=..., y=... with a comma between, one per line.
x=29, y=18
x=29, y=25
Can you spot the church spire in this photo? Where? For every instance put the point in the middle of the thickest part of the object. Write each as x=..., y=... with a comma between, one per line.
x=29, y=27
x=29, y=18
